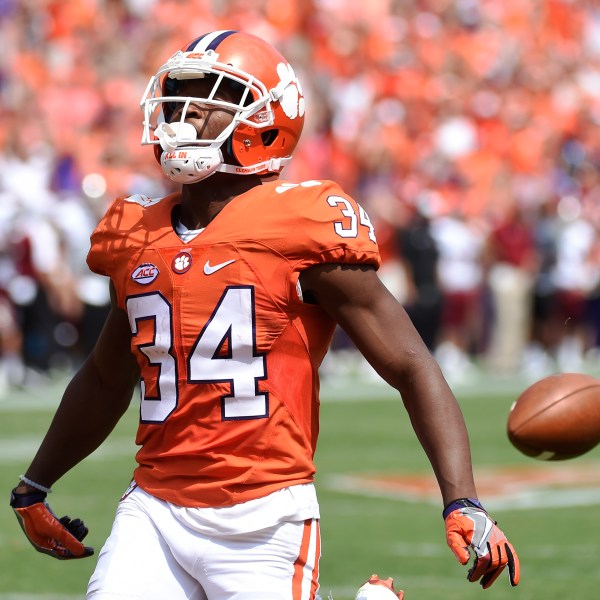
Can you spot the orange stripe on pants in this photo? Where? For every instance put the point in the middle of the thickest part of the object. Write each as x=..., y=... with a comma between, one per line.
x=307, y=562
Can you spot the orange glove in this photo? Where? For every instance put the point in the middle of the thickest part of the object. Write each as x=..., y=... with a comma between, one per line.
x=469, y=525
x=59, y=538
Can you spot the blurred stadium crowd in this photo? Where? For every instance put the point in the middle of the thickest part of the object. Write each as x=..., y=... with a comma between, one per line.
x=468, y=129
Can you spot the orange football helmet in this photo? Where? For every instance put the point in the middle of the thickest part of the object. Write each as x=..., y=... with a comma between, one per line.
x=268, y=117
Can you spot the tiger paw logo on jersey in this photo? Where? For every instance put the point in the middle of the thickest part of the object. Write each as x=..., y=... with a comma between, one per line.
x=145, y=273
x=181, y=262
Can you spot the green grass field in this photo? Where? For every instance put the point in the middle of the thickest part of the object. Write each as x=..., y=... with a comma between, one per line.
x=549, y=510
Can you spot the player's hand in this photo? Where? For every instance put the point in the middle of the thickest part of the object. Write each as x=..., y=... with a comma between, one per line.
x=59, y=538
x=469, y=526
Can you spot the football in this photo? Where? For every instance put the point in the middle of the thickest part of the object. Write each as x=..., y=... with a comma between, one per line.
x=557, y=417
x=378, y=589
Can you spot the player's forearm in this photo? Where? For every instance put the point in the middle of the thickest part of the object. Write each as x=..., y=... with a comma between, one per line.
x=439, y=425
x=88, y=412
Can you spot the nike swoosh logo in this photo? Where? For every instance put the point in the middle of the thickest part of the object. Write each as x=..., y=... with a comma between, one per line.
x=210, y=269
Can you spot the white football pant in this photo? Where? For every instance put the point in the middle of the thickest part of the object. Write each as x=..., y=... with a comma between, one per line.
x=152, y=555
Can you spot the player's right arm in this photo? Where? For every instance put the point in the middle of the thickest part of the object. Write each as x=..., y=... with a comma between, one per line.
x=92, y=404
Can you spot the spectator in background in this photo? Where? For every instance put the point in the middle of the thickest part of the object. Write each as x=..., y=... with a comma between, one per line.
x=539, y=358
x=511, y=259
x=75, y=220
x=575, y=277
x=420, y=254
x=460, y=273
x=593, y=301
x=43, y=288
x=12, y=368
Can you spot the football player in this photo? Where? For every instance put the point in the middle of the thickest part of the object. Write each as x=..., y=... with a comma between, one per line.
x=225, y=297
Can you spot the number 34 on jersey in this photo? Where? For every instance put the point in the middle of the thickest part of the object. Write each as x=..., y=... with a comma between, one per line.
x=225, y=349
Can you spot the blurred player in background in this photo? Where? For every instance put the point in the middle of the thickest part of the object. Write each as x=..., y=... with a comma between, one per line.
x=225, y=297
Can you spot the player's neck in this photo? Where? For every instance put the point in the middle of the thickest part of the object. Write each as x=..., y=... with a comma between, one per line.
x=201, y=202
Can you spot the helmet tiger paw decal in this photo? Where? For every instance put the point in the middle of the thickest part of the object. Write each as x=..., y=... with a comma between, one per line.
x=292, y=101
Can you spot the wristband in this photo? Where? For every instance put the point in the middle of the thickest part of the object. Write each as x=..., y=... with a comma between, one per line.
x=33, y=484
x=18, y=500
x=461, y=503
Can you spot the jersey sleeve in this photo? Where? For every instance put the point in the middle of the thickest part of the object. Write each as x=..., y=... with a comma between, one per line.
x=119, y=230
x=100, y=258
x=330, y=227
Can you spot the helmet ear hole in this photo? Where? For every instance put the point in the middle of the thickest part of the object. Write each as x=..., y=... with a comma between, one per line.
x=268, y=137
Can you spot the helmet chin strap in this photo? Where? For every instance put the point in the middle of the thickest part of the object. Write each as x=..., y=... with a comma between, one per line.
x=190, y=164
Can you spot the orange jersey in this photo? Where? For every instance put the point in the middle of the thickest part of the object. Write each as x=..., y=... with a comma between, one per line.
x=228, y=352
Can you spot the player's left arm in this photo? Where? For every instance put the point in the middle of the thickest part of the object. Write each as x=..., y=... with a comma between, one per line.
x=378, y=324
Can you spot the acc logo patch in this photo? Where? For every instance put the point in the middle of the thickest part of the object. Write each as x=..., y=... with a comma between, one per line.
x=145, y=273
x=181, y=262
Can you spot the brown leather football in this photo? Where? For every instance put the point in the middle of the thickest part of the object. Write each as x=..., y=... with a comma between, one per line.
x=557, y=417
